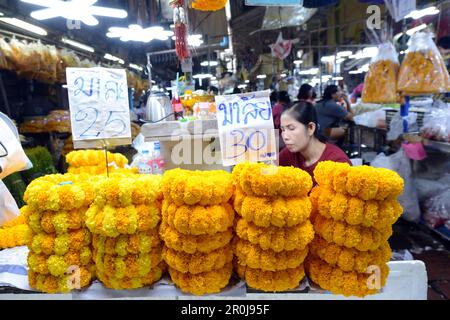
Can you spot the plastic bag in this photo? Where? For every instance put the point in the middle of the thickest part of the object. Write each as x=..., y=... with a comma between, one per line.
x=427, y=188
x=396, y=125
x=436, y=123
x=12, y=156
x=8, y=206
x=373, y=119
x=437, y=209
x=380, y=84
x=423, y=71
x=400, y=163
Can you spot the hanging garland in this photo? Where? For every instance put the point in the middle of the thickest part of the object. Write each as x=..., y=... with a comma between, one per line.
x=179, y=19
x=209, y=5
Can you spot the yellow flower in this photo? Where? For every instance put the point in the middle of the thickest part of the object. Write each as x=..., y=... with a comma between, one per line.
x=111, y=221
x=274, y=238
x=254, y=257
x=198, y=220
x=204, y=243
x=338, y=281
x=56, y=222
x=360, y=238
x=271, y=281
x=14, y=236
x=138, y=243
x=202, y=283
x=208, y=5
x=364, y=182
x=60, y=244
x=349, y=259
x=263, y=180
x=198, y=262
x=83, y=158
x=132, y=283
x=63, y=284
x=197, y=187
x=20, y=219
x=279, y=212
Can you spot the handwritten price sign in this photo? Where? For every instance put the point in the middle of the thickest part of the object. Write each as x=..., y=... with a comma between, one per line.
x=246, y=129
x=99, y=106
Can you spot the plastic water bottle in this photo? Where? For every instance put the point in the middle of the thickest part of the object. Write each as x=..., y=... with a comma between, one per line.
x=145, y=163
x=157, y=160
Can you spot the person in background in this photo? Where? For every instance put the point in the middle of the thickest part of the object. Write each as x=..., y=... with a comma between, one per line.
x=283, y=102
x=305, y=146
x=273, y=97
x=330, y=113
x=306, y=93
x=213, y=90
x=236, y=90
x=357, y=93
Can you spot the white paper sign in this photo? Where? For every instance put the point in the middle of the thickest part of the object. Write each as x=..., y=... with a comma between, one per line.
x=99, y=106
x=246, y=128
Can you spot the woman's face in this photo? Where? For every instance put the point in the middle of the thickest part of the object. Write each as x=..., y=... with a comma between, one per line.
x=295, y=134
x=337, y=96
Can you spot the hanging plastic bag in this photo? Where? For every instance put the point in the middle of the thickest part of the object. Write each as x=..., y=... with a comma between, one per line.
x=396, y=125
x=437, y=209
x=380, y=84
x=12, y=156
x=436, y=124
x=8, y=206
x=423, y=71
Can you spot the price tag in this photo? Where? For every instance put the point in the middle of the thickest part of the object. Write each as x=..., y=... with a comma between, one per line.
x=99, y=107
x=246, y=130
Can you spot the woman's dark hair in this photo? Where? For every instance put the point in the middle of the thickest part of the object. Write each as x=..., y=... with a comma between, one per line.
x=304, y=92
x=273, y=97
x=283, y=97
x=329, y=91
x=305, y=113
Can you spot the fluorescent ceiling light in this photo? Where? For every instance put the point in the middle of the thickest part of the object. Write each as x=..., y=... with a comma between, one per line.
x=242, y=86
x=354, y=72
x=247, y=81
x=77, y=45
x=194, y=40
x=298, y=62
x=411, y=31
x=340, y=60
x=417, y=14
x=113, y=58
x=327, y=59
x=368, y=52
x=261, y=76
x=24, y=25
x=213, y=78
x=202, y=76
x=136, y=33
x=80, y=10
x=136, y=67
x=209, y=63
x=338, y=78
x=312, y=71
x=342, y=54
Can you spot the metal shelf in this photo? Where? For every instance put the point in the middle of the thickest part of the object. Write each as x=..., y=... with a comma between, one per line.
x=437, y=145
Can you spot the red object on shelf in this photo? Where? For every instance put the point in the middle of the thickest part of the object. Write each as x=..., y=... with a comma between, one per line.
x=181, y=47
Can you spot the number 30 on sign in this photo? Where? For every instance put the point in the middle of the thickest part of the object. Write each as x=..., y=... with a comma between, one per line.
x=99, y=105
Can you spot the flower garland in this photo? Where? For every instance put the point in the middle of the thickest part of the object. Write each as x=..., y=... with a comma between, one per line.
x=279, y=212
x=354, y=211
x=20, y=219
x=50, y=244
x=254, y=257
x=202, y=283
x=98, y=170
x=132, y=283
x=138, y=243
x=58, y=265
x=314, y=198
x=340, y=233
x=112, y=221
x=340, y=282
x=263, y=180
x=349, y=259
x=198, y=220
x=14, y=236
x=83, y=158
x=64, y=284
x=271, y=281
x=209, y=5
x=183, y=187
x=364, y=182
x=204, y=243
x=198, y=262
x=56, y=222
x=274, y=238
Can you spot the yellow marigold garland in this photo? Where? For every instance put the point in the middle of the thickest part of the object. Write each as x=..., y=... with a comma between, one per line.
x=202, y=283
x=99, y=170
x=184, y=187
x=83, y=158
x=279, y=212
x=132, y=283
x=271, y=281
x=198, y=220
x=365, y=182
x=138, y=243
x=314, y=198
x=349, y=259
x=198, y=262
x=59, y=265
x=354, y=211
x=340, y=233
x=263, y=180
x=340, y=282
x=204, y=243
x=112, y=221
x=56, y=222
x=14, y=236
x=50, y=244
x=209, y=5
x=63, y=284
x=254, y=257
x=20, y=219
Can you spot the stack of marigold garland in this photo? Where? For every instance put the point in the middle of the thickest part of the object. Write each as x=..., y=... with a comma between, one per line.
x=197, y=223
x=60, y=257
x=274, y=230
x=94, y=162
x=354, y=209
x=124, y=219
x=15, y=232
